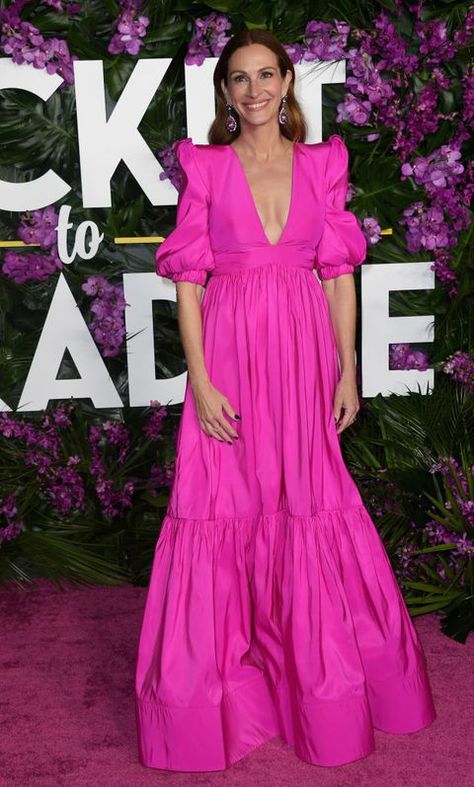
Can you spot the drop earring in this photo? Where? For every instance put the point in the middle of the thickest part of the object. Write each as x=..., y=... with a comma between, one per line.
x=283, y=113
x=230, y=121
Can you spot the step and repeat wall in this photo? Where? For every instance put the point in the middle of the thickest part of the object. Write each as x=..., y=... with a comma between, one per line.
x=107, y=136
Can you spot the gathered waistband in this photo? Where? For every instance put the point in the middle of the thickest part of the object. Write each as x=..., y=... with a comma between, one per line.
x=237, y=261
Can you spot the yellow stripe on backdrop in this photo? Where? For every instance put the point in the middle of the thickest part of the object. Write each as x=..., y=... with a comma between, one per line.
x=12, y=244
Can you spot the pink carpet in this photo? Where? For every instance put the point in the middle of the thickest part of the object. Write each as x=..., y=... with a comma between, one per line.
x=67, y=714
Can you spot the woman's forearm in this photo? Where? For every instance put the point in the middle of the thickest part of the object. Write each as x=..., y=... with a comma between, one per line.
x=189, y=297
x=341, y=296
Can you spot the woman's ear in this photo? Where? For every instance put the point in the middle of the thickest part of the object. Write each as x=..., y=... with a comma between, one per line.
x=224, y=90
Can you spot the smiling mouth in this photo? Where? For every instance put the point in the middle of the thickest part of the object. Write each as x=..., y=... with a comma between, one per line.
x=256, y=106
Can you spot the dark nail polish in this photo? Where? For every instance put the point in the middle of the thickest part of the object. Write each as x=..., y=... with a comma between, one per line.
x=237, y=416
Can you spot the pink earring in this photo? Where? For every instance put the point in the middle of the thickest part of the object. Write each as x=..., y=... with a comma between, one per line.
x=283, y=113
x=230, y=121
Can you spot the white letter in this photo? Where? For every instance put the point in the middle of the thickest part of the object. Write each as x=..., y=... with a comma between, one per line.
x=379, y=330
x=105, y=141
x=61, y=234
x=140, y=290
x=80, y=242
x=4, y=408
x=65, y=328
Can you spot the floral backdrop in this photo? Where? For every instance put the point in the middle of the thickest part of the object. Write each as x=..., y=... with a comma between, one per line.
x=83, y=491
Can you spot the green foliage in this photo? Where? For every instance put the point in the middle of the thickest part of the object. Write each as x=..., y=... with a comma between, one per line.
x=392, y=453
x=87, y=545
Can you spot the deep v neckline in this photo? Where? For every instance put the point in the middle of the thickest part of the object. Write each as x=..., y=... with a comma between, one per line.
x=252, y=199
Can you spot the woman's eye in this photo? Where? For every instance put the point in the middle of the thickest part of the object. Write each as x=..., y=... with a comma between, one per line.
x=242, y=76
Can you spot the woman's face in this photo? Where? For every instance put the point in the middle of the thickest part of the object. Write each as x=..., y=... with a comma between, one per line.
x=254, y=84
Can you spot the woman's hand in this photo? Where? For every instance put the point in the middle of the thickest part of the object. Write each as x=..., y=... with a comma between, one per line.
x=345, y=397
x=210, y=404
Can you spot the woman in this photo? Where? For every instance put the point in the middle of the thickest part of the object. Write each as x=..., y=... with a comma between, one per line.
x=272, y=607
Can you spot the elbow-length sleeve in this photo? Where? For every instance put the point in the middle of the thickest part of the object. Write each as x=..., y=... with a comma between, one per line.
x=343, y=244
x=186, y=254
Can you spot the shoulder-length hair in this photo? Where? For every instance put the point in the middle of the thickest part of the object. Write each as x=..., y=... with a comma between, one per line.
x=295, y=129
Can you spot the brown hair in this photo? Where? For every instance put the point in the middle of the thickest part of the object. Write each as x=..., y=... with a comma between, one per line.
x=295, y=129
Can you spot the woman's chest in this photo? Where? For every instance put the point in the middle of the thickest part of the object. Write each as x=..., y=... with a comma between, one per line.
x=285, y=209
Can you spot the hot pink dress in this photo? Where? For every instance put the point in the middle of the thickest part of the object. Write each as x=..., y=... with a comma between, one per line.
x=272, y=607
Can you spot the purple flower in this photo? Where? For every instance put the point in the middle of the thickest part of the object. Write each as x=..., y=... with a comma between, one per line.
x=209, y=38
x=39, y=226
x=325, y=41
x=64, y=487
x=372, y=230
x=402, y=356
x=114, y=434
x=439, y=534
x=154, y=425
x=10, y=525
x=437, y=170
x=460, y=365
x=23, y=267
x=97, y=285
x=45, y=437
x=24, y=43
x=427, y=228
x=161, y=476
x=171, y=166
x=392, y=87
x=434, y=43
x=295, y=52
x=444, y=272
x=448, y=184
x=458, y=484
x=41, y=461
x=463, y=36
x=61, y=415
x=108, y=309
x=58, y=479
x=130, y=29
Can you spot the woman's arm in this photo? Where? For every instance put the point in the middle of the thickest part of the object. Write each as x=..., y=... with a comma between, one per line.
x=210, y=403
x=341, y=297
x=188, y=298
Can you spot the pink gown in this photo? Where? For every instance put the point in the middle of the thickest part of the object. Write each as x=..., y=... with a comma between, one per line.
x=272, y=608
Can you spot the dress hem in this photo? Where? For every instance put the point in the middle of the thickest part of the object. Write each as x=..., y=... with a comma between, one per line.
x=300, y=594
x=212, y=737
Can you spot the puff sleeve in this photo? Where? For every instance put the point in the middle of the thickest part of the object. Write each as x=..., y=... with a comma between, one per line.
x=185, y=254
x=342, y=245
